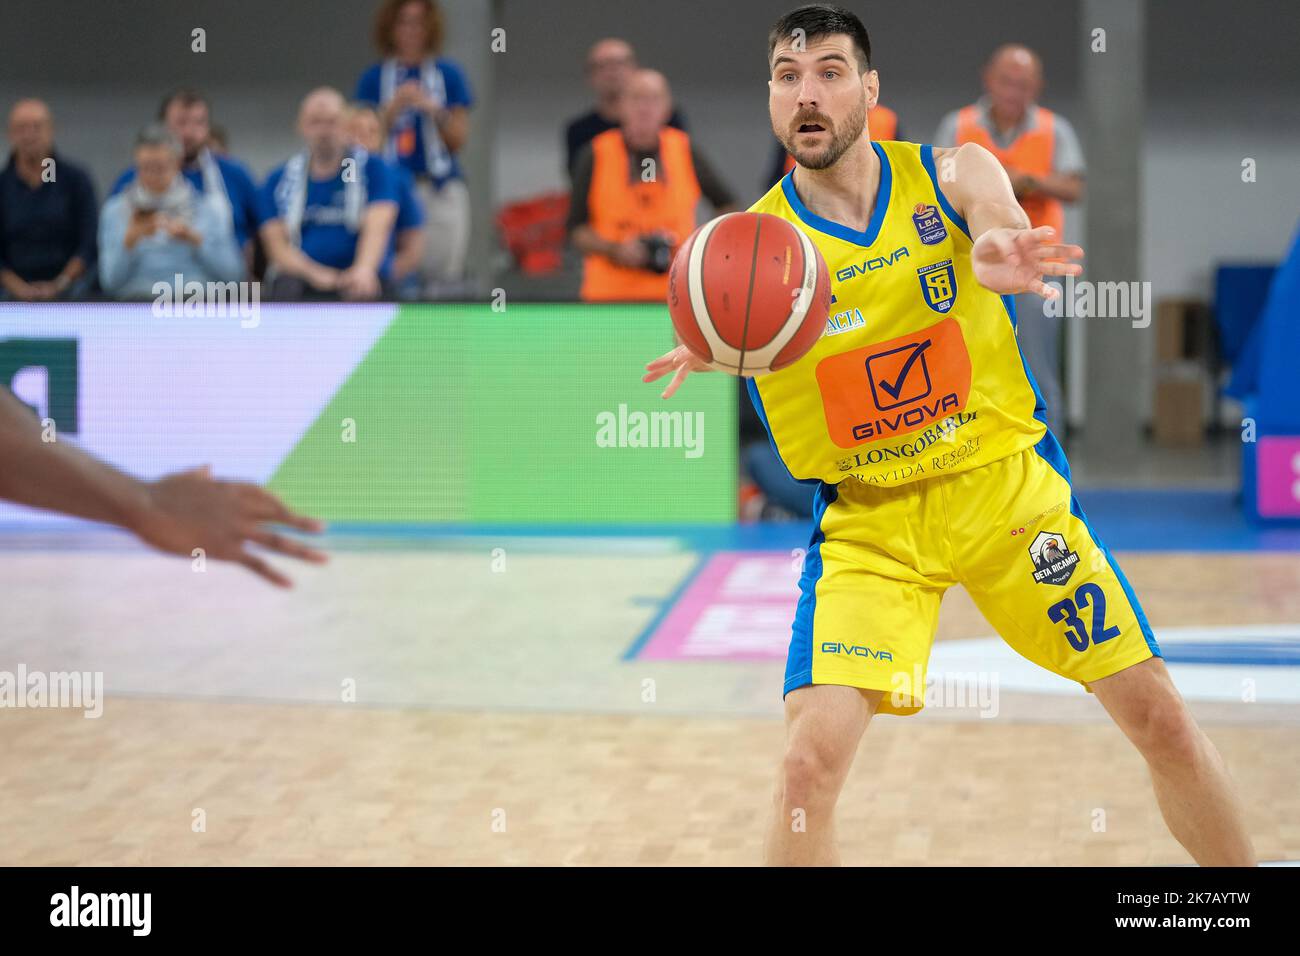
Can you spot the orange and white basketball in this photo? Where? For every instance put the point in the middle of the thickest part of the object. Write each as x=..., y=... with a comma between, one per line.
x=749, y=293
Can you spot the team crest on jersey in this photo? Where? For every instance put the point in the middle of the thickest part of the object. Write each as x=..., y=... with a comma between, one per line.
x=929, y=224
x=1054, y=562
x=938, y=285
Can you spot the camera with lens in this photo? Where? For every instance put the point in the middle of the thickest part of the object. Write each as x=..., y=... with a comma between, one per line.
x=659, y=252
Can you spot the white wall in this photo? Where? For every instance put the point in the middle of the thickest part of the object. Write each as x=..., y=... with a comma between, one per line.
x=1196, y=210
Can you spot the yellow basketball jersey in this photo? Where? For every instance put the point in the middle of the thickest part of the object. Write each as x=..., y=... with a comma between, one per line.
x=918, y=372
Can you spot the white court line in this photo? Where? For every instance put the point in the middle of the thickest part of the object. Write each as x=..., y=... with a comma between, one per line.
x=1219, y=682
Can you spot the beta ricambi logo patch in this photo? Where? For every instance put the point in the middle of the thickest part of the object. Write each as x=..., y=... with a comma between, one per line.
x=1054, y=562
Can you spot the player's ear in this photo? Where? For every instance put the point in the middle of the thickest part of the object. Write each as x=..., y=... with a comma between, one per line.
x=871, y=85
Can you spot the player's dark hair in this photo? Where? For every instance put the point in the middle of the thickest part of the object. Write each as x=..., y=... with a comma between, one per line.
x=183, y=96
x=821, y=20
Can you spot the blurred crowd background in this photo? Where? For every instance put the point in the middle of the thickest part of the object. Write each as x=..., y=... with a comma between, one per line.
x=1218, y=85
x=446, y=149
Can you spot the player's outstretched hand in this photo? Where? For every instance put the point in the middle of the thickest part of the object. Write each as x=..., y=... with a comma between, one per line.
x=1011, y=261
x=681, y=361
x=191, y=510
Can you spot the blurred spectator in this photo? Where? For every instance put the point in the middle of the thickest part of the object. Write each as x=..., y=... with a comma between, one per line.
x=407, y=245
x=609, y=64
x=1041, y=154
x=882, y=123
x=423, y=101
x=635, y=189
x=327, y=214
x=226, y=181
x=160, y=226
x=47, y=214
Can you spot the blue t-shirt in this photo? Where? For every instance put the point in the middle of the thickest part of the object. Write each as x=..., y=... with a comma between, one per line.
x=408, y=129
x=326, y=237
x=410, y=214
x=239, y=187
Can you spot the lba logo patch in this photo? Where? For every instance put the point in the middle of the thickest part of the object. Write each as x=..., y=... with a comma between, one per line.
x=1054, y=562
x=929, y=224
x=938, y=285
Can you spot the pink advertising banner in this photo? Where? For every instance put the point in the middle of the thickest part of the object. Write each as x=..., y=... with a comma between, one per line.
x=739, y=607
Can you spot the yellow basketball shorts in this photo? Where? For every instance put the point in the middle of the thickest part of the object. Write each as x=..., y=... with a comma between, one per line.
x=1011, y=532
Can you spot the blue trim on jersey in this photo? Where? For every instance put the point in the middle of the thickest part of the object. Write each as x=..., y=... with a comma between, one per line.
x=1040, y=403
x=927, y=160
x=757, y=402
x=814, y=221
x=1008, y=301
x=798, y=664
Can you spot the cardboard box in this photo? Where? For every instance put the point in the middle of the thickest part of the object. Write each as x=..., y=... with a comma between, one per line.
x=1179, y=410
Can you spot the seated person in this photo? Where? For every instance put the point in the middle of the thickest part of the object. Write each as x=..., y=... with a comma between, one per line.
x=407, y=246
x=47, y=214
x=327, y=214
x=224, y=179
x=160, y=227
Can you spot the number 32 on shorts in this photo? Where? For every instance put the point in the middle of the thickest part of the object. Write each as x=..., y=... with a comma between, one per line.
x=1087, y=596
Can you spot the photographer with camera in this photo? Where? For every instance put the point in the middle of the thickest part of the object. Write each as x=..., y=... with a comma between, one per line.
x=635, y=189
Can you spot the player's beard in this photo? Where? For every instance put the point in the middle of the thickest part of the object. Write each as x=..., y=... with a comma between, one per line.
x=842, y=137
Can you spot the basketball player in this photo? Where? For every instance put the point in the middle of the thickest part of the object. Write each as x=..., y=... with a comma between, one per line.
x=924, y=437
x=175, y=514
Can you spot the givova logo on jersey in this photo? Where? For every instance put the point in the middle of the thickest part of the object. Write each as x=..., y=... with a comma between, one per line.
x=871, y=264
x=895, y=387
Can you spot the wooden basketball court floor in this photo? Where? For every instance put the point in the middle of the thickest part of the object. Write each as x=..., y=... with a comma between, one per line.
x=499, y=718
